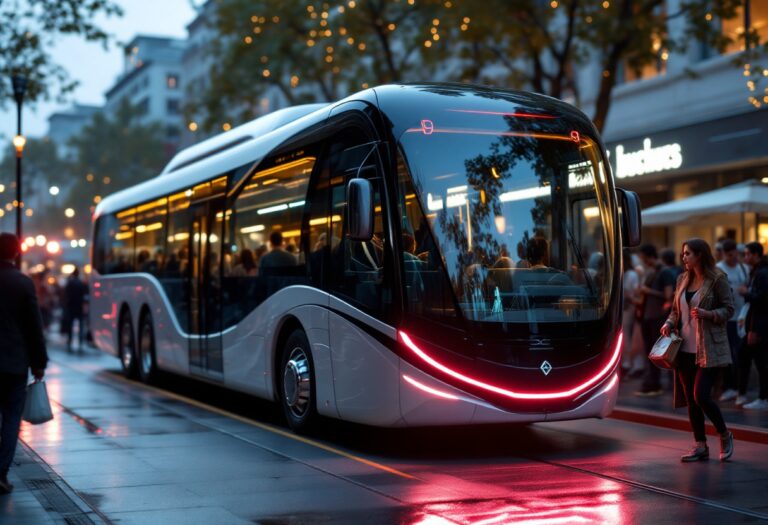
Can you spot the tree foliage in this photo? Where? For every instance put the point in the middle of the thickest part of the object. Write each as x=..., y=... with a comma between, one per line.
x=314, y=51
x=308, y=51
x=29, y=28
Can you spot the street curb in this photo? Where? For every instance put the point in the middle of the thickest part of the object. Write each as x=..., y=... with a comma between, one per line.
x=55, y=494
x=675, y=422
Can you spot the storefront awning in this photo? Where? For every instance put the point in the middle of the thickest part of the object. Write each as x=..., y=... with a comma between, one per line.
x=745, y=197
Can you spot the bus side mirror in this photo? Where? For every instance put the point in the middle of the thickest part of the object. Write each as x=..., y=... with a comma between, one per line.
x=360, y=209
x=631, y=220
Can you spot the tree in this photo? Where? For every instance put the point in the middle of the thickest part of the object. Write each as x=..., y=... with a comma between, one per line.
x=314, y=52
x=321, y=52
x=541, y=45
x=112, y=154
x=29, y=27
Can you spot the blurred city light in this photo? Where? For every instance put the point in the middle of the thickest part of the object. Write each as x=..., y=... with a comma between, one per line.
x=40, y=240
x=67, y=269
x=30, y=241
x=54, y=190
x=2, y=188
x=81, y=243
x=53, y=247
x=69, y=212
x=73, y=243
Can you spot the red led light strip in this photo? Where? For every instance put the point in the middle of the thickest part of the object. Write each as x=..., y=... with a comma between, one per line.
x=431, y=130
x=429, y=389
x=503, y=113
x=508, y=393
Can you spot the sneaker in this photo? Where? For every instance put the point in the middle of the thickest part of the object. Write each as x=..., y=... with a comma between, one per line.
x=741, y=400
x=5, y=486
x=698, y=453
x=726, y=446
x=729, y=394
x=649, y=392
x=757, y=404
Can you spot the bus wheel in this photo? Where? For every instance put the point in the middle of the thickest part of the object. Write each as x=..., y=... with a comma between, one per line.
x=127, y=345
x=147, y=362
x=297, y=387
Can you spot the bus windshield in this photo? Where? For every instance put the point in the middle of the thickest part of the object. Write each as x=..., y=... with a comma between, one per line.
x=518, y=217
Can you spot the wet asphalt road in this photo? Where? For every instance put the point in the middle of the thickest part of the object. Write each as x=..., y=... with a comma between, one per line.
x=186, y=452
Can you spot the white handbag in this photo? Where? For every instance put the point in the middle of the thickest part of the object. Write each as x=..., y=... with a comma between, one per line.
x=37, y=408
x=741, y=321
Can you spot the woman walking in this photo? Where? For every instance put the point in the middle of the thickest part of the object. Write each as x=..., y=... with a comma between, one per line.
x=702, y=305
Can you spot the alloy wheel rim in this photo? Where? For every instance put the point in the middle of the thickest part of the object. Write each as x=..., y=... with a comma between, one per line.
x=126, y=346
x=297, y=385
x=146, y=350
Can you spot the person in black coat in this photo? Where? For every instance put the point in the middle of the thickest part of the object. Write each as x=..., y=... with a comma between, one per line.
x=756, y=326
x=75, y=292
x=22, y=346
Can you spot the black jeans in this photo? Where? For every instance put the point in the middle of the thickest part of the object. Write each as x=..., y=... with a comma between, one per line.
x=697, y=386
x=652, y=377
x=731, y=374
x=13, y=392
x=71, y=328
x=760, y=355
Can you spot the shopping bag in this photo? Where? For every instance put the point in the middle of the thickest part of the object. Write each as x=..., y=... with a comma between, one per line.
x=664, y=351
x=741, y=321
x=37, y=408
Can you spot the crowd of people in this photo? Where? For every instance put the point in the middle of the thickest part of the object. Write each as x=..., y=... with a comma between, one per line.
x=651, y=280
x=66, y=300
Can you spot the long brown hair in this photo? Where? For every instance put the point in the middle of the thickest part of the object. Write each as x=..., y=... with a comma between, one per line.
x=701, y=248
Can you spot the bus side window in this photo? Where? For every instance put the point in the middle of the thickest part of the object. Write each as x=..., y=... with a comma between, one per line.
x=124, y=242
x=359, y=268
x=104, y=244
x=263, y=229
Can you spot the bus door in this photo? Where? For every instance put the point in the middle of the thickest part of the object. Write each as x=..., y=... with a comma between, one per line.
x=205, y=345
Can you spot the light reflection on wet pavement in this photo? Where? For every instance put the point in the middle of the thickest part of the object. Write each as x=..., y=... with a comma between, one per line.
x=139, y=456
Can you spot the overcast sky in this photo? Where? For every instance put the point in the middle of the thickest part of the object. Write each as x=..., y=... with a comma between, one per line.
x=95, y=68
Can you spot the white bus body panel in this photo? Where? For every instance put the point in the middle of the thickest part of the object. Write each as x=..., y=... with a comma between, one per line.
x=366, y=372
x=135, y=290
x=357, y=378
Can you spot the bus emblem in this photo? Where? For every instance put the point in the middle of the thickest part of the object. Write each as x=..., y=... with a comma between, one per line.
x=546, y=368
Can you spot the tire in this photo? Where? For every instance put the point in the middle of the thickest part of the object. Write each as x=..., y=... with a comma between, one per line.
x=127, y=345
x=147, y=362
x=296, y=383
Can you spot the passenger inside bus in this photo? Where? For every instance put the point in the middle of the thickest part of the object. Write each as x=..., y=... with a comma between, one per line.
x=277, y=257
x=247, y=265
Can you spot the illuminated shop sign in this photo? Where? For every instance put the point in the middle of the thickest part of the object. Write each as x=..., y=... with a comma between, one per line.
x=647, y=160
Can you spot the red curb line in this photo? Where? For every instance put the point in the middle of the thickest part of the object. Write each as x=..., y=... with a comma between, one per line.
x=675, y=422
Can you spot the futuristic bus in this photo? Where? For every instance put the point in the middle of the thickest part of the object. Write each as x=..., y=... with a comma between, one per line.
x=427, y=254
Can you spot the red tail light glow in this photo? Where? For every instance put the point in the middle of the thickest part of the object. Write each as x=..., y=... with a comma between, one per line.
x=509, y=393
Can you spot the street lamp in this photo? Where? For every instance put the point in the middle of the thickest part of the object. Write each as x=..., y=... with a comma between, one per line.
x=19, y=83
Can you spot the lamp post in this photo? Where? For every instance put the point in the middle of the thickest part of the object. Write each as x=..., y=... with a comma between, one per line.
x=19, y=83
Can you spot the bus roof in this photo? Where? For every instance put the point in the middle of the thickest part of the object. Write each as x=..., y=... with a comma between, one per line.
x=242, y=133
x=198, y=163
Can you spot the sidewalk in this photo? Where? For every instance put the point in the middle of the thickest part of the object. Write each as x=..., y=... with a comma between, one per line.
x=41, y=497
x=657, y=410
